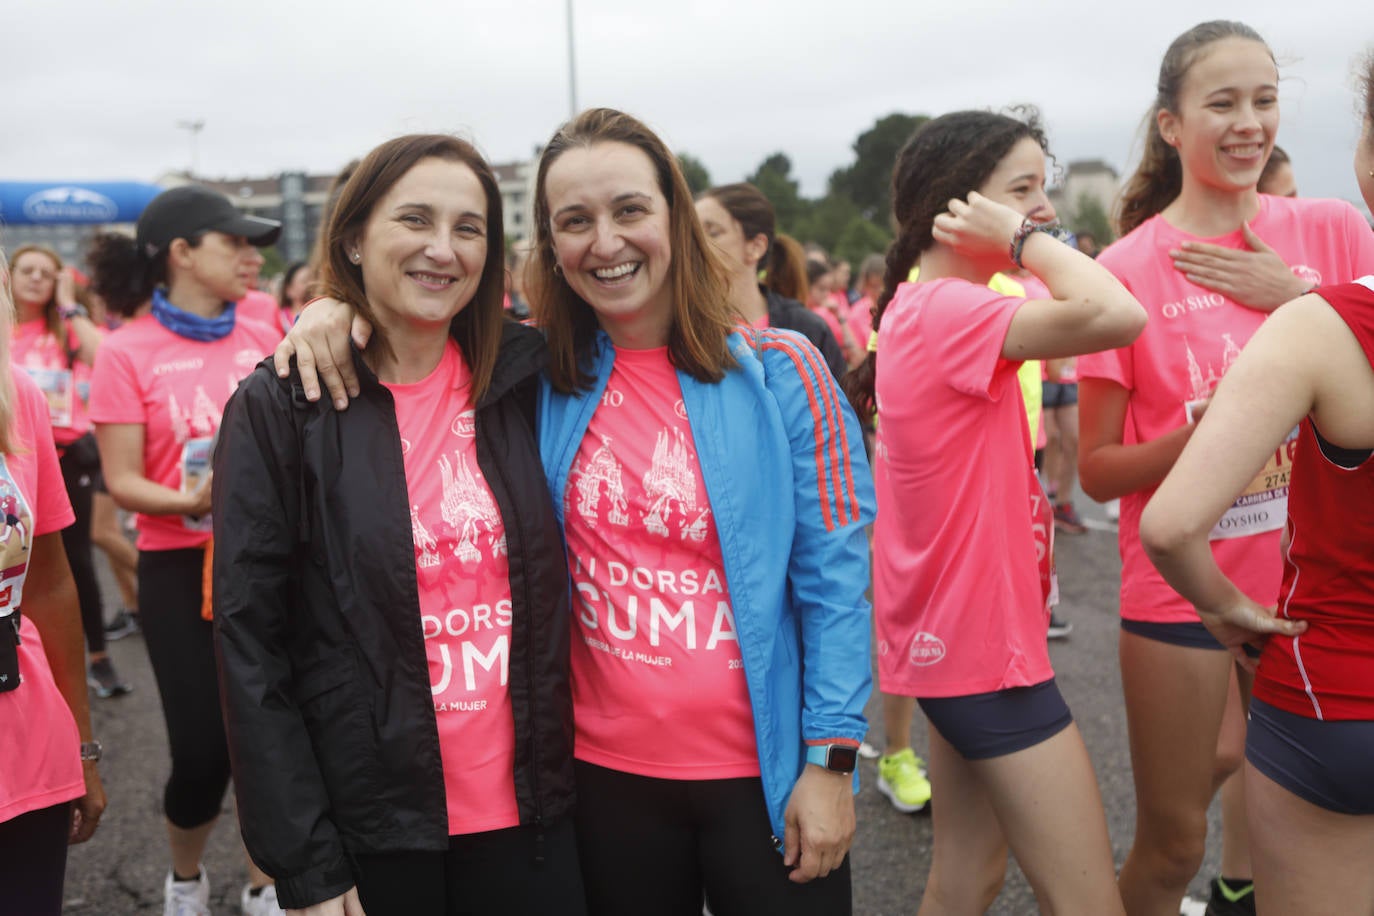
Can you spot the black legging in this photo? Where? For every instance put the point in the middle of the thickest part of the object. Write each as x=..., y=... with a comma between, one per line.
x=33, y=861
x=76, y=538
x=181, y=649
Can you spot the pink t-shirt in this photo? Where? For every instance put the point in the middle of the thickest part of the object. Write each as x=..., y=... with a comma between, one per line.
x=861, y=320
x=961, y=534
x=831, y=322
x=658, y=679
x=465, y=599
x=41, y=763
x=1192, y=338
x=260, y=307
x=65, y=383
x=176, y=389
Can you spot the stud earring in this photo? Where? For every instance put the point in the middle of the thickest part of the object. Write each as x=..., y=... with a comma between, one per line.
x=558, y=269
x=356, y=257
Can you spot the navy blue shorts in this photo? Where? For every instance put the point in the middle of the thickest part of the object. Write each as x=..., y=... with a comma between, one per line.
x=986, y=725
x=1327, y=763
x=1058, y=394
x=1188, y=635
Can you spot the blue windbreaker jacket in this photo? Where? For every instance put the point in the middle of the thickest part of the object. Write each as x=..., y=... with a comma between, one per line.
x=782, y=456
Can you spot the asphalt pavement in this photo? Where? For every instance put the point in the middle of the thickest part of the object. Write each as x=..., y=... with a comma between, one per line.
x=121, y=870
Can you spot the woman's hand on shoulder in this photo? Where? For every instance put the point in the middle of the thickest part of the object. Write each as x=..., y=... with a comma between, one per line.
x=346, y=904
x=1257, y=279
x=977, y=226
x=319, y=341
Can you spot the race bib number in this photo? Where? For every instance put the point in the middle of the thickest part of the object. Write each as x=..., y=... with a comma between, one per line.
x=1042, y=527
x=58, y=390
x=1264, y=504
x=195, y=468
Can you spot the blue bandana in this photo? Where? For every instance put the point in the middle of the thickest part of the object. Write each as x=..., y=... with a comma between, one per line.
x=192, y=327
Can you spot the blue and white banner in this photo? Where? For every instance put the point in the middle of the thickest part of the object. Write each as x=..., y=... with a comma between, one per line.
x=54, y=202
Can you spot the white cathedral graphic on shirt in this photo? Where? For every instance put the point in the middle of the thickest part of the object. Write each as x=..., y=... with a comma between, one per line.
x=669, y=484
x=1202, y=385
x=469, y=509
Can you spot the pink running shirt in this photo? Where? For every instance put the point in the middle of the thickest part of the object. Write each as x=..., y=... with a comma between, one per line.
x=262, y=308
x=658, y=679
x=958, y=596
x=176, y=389
x=465, y=601
x=1192, y=338
x=66, y=383
x=43, y=767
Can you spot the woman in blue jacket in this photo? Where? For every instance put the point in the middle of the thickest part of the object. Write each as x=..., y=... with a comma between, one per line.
x=713, y=490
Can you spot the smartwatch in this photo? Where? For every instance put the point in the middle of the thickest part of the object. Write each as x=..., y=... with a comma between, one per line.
x=837, y=758
x=91, y=750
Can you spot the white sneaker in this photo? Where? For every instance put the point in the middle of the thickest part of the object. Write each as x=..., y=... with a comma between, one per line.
x=264, y=904
x=186, y=898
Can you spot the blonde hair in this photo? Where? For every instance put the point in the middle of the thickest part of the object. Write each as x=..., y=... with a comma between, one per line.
x=8, y=446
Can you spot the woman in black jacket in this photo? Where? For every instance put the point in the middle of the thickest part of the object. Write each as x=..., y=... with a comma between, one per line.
x=391, y=596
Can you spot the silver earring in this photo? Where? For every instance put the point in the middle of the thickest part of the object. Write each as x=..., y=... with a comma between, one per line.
x=357, y=257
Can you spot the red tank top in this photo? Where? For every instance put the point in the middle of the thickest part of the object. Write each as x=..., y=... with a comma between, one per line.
x=1328, y=565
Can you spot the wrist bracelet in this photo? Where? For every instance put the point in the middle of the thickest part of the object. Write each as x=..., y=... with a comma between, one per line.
x=75, y=311
x=1028, y=227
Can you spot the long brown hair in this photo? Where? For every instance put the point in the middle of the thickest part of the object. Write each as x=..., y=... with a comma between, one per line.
x=945, y=159
x=8, y=443
x=1159, y=176
x=477, y=328
x=50, y=316
x=702, y=315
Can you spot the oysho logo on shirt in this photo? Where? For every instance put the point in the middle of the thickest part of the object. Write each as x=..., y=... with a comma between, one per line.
x=926, y=649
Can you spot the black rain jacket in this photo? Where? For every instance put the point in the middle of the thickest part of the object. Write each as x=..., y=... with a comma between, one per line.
x=322, y=666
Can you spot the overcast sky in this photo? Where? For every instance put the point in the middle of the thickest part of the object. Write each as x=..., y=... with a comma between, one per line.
x=94, y=89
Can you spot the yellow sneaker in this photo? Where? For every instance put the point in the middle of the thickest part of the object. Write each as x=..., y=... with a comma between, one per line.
x=902, y=778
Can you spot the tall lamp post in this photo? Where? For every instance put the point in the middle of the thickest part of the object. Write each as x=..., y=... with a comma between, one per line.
x=194, y=127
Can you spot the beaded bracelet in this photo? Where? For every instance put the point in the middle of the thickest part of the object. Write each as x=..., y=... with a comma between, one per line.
x=1028, y=226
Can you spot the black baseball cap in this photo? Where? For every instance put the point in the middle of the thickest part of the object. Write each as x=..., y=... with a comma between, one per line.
x=184, y=212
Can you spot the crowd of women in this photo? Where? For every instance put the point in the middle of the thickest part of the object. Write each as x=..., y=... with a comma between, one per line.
x=439, y=625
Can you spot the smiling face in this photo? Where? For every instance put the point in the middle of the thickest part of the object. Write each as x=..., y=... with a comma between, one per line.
x=611, y=239
x=34, y=280
x=1018, y=181
x=1227, y=115
x=423, y=247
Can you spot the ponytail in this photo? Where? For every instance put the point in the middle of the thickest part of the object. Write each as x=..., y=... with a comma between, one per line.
x=785, y=269
x=1154, y=184
x=121, y=274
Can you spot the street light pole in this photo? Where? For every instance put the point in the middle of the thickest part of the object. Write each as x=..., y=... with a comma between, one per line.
x=194, y=127
x=572, y=66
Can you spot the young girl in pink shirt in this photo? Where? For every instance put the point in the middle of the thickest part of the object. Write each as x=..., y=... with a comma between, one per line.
x=1209, y=257
x=1310, y=742
x=960, y=546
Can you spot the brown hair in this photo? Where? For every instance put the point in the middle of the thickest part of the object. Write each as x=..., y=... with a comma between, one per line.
x=8, y=444
x=50, y=315
x=946, y=158
x=782, y=266
x=787, y=268
x=702, y=315
x=331, y=200
x=1159, y=176
x=477, y=328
